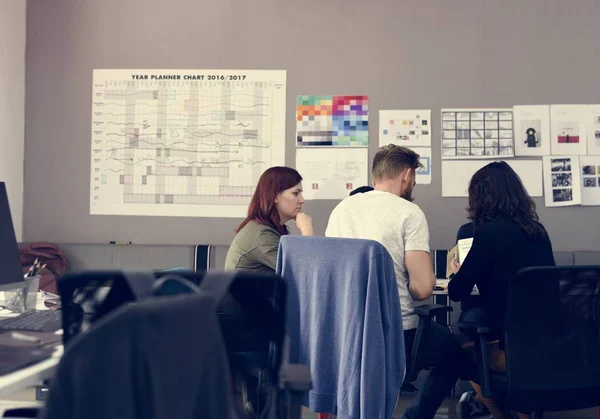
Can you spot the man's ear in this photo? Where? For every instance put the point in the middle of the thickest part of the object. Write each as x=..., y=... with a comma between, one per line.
x=407, y=174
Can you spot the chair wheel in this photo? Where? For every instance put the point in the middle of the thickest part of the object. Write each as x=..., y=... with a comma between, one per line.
x=464, y=406
x=469, y=407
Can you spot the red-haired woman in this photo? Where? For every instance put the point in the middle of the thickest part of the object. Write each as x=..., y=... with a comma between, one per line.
x=277, y=200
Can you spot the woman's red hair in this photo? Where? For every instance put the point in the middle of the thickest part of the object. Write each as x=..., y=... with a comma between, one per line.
x=262, y=207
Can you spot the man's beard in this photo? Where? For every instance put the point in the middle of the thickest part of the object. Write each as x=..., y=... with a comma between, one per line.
x=407, y=195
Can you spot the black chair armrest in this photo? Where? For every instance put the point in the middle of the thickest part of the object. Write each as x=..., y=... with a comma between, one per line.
x=481, y=353
x=431, y=310
x=484, y=368
x=426, y=313
x=296, y=380
x=480, y=328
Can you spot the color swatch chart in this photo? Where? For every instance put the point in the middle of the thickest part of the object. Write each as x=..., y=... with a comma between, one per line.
x=341, y=121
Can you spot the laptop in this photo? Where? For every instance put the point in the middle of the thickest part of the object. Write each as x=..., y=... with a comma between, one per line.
x=20, y=342
x=11, y=275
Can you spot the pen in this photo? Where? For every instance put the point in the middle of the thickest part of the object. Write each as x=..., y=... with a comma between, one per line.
x=42, y=268
x=26, y=338
x=120, y=242
x=32, y=269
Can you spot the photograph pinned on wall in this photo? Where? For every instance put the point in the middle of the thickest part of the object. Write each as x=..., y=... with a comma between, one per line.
x=332, y=121
x=590, y=180
x=477, y=133
x=561, y=165
x=588, y=170
x=562, y=195
x=568, y=132
x=562, y=181
x=593, y=130
x=532, y=130
x=568, y=129
x=424, y=173
x=409, y=128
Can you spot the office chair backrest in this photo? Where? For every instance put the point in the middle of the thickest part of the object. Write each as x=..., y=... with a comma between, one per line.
x=163, y=357
x=88, y=296
x=552, y=336
x=344, y=313
x=254, y=301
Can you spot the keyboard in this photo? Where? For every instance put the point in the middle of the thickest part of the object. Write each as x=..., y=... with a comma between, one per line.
x=36, y=320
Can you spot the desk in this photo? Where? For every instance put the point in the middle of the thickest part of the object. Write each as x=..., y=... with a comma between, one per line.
x=444, y=284
x=441, y=297
x=441, y=283
x=33, y=375
x=30, y=376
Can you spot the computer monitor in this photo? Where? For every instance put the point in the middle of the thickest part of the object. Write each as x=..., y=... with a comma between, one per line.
x=11, y=274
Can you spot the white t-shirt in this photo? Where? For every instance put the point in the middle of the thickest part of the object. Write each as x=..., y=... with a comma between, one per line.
x=399, y=225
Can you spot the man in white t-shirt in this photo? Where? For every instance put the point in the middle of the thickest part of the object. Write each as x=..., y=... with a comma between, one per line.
x=387, y=215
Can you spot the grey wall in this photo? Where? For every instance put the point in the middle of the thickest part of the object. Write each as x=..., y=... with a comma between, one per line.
x=13, y=29
x=85, y=257
x=403, y=54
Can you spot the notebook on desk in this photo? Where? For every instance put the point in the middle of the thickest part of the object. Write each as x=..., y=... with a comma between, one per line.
x=442, y=283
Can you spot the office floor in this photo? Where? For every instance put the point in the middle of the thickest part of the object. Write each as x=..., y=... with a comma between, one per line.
x=448, y=411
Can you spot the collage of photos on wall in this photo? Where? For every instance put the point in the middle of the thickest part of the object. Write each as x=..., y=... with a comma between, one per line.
x=591, y=176
x=562, y=180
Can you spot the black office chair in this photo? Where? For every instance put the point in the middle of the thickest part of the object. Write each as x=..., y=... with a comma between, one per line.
x=252, y=317
x=88, y=297
x=85, y=299
x=552, y=342
x=159, y=357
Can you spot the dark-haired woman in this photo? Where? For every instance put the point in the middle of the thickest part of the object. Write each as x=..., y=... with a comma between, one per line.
x=508, y=237
x=276, y=200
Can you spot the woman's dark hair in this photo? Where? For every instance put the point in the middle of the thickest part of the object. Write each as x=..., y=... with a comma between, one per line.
x=496, y=193
x=262, y=207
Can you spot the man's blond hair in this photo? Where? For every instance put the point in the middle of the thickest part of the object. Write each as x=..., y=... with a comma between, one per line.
x=391, y=160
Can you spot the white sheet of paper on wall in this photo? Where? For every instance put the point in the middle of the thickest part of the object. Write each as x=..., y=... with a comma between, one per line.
x=332, y=173
x=532, y=130
x=590, y=180
x=568, y=130
x=456, y=175
x=593, y=130
x=409, y=128
x=562, y=181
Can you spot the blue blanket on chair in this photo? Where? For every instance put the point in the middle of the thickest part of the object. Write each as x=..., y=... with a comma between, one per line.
x=344, y=321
